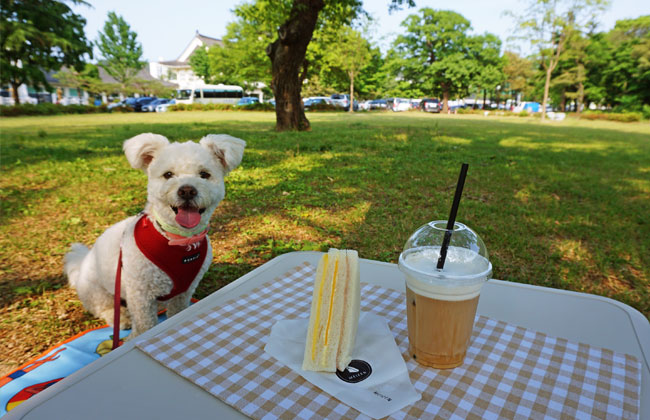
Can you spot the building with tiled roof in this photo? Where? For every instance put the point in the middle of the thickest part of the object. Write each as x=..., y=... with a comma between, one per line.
x=179, y=71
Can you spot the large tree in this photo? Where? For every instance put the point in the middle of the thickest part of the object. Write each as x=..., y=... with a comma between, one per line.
x=572, y=71
x=518, y=71
x=38, y=36
x=287, y=52
x=548, y=24
x=120, y=49
x=599, y=58
x=283, y=31
x=200, y=63
x=437, y=54
x=627, y=75
x=371, y=81
x=242, y=58
x=350, y=53
x=489, y=74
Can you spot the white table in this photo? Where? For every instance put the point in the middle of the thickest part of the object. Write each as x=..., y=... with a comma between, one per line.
x=128, y=384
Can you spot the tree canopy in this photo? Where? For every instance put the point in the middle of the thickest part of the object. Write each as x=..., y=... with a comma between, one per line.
x=549, y=24
x=242, y=58
x=439, y=56
x=350, y=54
x=120, y=50
x=286, y=27
x=627, y=73
x=38, y=36
x=518, y=72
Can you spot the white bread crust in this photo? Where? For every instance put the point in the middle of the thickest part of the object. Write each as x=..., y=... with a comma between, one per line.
x=335, y=301
x=352, y=310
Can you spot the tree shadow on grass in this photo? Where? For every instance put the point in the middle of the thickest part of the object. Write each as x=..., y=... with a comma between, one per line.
x=534, y=196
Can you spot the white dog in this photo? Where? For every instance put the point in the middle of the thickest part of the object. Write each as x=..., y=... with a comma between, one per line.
x=164, y=250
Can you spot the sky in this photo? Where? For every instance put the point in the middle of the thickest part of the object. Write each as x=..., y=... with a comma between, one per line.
x=165, y=27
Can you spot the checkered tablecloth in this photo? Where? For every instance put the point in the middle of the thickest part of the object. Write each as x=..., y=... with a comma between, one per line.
x=509, y=371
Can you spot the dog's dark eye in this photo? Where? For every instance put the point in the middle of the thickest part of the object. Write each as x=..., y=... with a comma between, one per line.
x=168, y=175
x=204, y=174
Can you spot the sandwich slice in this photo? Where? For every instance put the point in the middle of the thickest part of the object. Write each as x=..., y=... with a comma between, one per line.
x=334, y=314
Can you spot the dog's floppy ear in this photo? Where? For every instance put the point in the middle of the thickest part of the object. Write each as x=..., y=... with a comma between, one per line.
x=143, y=148
x=228, y=150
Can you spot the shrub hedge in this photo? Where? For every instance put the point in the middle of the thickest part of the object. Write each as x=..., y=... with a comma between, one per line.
x=58, y=109
x=257, y=107
x=612, y=116
x=49, y=109
x=222, y=107
x=322, y=106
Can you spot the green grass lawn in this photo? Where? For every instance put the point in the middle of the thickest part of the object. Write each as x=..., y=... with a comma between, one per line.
x=563, y=205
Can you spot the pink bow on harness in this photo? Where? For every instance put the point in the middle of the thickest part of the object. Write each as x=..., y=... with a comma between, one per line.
x=185, y=241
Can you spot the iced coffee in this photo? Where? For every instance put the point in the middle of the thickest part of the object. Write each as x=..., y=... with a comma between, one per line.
x=441, y=303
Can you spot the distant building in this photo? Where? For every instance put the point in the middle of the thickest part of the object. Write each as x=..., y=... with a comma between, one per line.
x=179, y=71
x=60, y=93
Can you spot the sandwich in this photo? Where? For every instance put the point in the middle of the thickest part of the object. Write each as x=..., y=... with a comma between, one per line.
x=334, y=314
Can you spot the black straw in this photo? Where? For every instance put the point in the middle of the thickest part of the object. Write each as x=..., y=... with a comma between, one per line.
x=452, y=216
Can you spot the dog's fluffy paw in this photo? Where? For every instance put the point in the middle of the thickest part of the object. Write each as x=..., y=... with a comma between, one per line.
x=125, y=318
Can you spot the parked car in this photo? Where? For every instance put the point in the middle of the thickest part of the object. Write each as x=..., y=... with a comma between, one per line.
x=140, y=102
x=151, y=106
x=114, y=105
x=130, y=102
x=398, y=104
x=365, y=105
x=380, y=104
x=309, y=102
x=340, y=99
x=430, y=105
x=248, y=100
x=343, y=100
x=163, y=107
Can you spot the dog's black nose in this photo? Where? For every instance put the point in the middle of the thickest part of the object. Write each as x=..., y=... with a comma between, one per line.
x=187, y=192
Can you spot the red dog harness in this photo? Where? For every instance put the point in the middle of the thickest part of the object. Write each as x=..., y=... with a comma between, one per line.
x=181, y=263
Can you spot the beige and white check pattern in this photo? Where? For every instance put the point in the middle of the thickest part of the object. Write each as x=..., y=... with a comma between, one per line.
x=509, y=372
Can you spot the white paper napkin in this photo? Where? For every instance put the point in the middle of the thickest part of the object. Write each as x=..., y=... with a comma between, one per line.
x=387, y=389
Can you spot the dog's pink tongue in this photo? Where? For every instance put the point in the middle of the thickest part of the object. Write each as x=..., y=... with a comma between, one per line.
x=188, y=217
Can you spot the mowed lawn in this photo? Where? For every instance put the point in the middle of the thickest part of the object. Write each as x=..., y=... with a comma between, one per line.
x=561, y=205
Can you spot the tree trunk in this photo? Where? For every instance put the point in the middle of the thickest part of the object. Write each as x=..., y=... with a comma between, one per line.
x=581, y=97
x=445, y=98
x=484, y=95
x=287, y=54
x=547, y=85
x=351, y=92
x=549, y=70
x=14, y=92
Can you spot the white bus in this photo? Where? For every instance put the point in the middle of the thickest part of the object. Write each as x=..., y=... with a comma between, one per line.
x=210, y=94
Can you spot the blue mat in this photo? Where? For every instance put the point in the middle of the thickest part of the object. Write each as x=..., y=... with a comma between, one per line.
x=55, y=364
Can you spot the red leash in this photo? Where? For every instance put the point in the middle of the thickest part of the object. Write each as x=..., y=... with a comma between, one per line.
x=117, y=303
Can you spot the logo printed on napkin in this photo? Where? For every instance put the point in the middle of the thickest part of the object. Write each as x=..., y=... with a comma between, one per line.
x=357, y=371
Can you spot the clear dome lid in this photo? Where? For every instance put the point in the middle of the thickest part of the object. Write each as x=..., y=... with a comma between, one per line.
x=466, y=259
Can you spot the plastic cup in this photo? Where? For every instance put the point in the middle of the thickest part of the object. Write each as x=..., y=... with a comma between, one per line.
x=441, y=303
